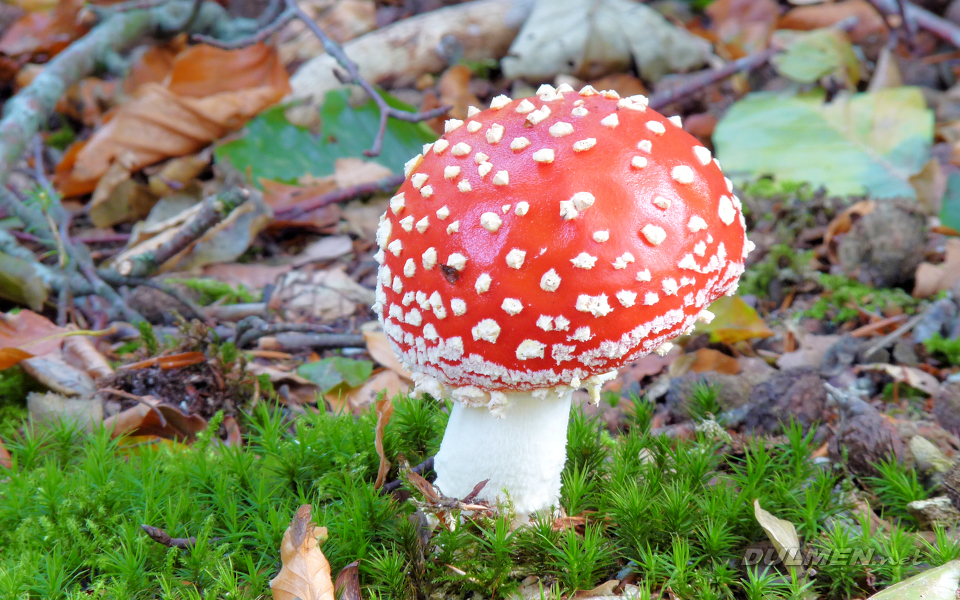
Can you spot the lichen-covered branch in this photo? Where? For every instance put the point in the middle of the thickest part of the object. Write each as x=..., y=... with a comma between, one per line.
x=213, y=210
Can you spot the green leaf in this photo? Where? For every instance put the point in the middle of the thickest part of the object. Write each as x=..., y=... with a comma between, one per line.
x=950, y=209
x=861, y=143
x=810, y=55
x=331, y=372
x=274, y=148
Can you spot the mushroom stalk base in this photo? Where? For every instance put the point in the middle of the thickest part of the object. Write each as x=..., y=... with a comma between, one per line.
x=522, y=453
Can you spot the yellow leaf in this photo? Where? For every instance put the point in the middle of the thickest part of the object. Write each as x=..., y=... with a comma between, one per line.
x=304, y=571
x=734, y=321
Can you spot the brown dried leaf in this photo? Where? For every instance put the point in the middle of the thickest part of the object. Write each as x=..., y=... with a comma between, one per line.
x=806, y=18
x=454, y=89
x=744, y=24
x=304, y=572
x=384, y=412
x=325, y=295
x=359, y=399
x=842, y=223
x=931, y=278
x=27, y=334
x=708, y=359
x=45, y=32
x=911, y=376
x=348, y=583
x=191, y=110
x=378, y=345
x=6, y=461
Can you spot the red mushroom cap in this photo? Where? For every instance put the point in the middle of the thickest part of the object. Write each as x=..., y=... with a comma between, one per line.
x=548, y=240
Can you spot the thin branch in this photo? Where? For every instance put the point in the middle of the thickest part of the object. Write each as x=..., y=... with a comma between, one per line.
x=912, y=13
x=261, y=35
x=706, y=78
x=213, y=210
x=195, y=312
x=387, y=184
x=253, y=328
x=422, y=469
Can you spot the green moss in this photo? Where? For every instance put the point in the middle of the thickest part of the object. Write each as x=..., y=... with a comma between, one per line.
x=947, y=349
x=678, y=513
x=211, y=290
x=842, y=295
x=767, y=187
x=782, y=261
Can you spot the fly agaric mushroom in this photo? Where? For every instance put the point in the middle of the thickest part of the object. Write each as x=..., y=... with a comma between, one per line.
x=533, y=250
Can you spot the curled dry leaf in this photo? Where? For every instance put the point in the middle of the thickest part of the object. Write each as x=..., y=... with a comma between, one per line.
x=842, y=223
x=782, y=534
x=911, y=376
x=384, y=409
x=27, y=334
x=55, y=374
x=182, y=115
x=151, y=418
x=348, y=582
x=931, y=278
x=6, y=461
x=80, y=352
x=304, y=572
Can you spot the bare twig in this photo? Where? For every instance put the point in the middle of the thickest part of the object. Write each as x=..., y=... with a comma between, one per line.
x=195, y=312
x=162, y=537
x=252, y=328
x=913, y=14
x=386, y=184
x=706, y=78
x=422, y=469
x=262, y=34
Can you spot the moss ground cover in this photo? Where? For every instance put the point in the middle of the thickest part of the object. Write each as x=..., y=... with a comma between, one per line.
x=664, y=513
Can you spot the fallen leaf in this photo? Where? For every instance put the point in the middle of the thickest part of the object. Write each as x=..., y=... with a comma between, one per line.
x=234, y=437
x=348, y=583
x=940, y=583
x=930, y=184
x=454, y=86
x=324, y=295
x=744, y=24
x=931, y=278
x=842, y=223
x=20, y=282
x=868, y=21
x=304, y=571
x=881, y=139
x=809, y=56
x=950, y=208
x=734, y=321
x=708, y=359
x=153, y=66
x=359, y=399
x=181, y=116
x=46, y=32
x=151, y=418
x=117, y=198
x=911, y=376
x=52, y=408
x=378, y=346
x=27, y=334
x=175, y=174
x=273, y=148
x=384, y=409
x=782, y=534
x=343, y=21
x=331, y=373
x=589, y=39
x=6, y=461
x=55, y=374
x=326, y=248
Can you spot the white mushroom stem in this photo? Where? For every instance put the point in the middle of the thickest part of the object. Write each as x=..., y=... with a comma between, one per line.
x=521, y=452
